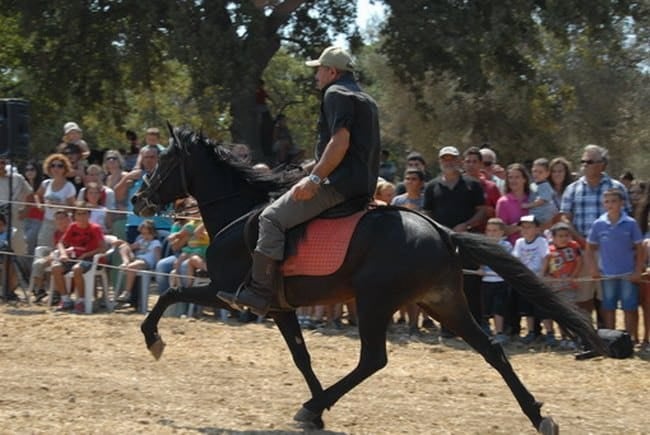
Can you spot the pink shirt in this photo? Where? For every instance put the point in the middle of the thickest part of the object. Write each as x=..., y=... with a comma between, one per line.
x=509, y=210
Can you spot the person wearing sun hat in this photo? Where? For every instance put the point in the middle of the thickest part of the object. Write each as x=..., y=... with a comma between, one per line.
x=347, y=166
x=73, y=134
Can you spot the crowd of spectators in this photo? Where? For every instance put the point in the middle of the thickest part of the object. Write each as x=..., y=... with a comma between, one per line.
x=585, y=232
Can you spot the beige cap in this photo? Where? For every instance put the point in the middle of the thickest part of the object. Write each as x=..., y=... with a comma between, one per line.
x=334, y=57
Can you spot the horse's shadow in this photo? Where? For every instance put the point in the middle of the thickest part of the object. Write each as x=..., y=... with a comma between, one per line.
x=220, y=431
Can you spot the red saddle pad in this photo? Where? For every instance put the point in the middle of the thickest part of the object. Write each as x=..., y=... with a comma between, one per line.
x=323, y=249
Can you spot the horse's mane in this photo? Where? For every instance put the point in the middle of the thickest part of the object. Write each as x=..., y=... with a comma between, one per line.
x=273, y=182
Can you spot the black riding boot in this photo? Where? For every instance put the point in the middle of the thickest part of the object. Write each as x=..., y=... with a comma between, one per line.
x=257, y=293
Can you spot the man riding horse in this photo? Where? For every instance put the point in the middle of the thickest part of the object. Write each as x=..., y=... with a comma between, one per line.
x=347, y=166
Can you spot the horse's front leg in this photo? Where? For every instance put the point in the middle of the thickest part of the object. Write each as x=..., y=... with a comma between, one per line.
x=288, y=325
x=204, y=295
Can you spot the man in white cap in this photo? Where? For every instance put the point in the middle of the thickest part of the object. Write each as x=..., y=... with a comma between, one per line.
x=347, y=166
x=457, y=201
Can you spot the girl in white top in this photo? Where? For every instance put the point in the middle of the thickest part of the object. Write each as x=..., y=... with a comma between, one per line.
x=98, y=214
x=53, y=192
x=143, y=254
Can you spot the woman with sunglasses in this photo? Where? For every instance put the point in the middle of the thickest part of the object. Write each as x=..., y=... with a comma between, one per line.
x=33, y=217
x=52, y=193
x=114, y=168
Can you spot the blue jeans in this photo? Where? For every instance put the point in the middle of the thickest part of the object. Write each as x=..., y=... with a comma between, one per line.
x=620, y=289
x=165, y=265
x=31, y=228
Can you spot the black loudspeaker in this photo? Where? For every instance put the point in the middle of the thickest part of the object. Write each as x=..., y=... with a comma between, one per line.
x=14, y=127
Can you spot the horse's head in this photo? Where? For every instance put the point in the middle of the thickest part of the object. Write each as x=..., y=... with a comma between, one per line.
x=168, y=181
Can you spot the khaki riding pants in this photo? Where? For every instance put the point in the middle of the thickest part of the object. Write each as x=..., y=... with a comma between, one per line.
x=285, y=213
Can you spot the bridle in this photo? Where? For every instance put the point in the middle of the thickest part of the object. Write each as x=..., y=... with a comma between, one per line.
x=156, y=179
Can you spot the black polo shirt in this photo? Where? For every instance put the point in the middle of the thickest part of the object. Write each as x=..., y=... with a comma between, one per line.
x=344, y=104
x=451, y=207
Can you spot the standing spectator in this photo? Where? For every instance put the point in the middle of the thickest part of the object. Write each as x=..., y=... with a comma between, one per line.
x=387, y=168
x=494, y=289
x=133, y=151
x=114, y=169
x=414, y=160
x=283, y=145
x=582, y=205
x=33, y=217
x=130, y=183
x=622, y=260
x=640, y=203
x=560, y=178
x=384, y=192
x=413, y=199
x=472, y=163
x=542, y=205
x=489, y=167
x=509, y=206
x=457, y=201
x=77, y=167
x=414, y=196
x=531, y=248
x=20, y=192
x=626, y=178
x=81, y=241
x=53, y=192
x=563, y=264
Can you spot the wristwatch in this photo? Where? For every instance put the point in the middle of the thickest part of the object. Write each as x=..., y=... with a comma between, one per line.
x=315, y=179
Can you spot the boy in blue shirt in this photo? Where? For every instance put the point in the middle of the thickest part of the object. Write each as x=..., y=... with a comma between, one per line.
x=618, y=238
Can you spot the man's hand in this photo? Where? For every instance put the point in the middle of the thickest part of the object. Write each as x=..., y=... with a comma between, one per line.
x=304, y=190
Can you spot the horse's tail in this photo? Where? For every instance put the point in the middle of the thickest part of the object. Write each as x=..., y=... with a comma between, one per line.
x=481, y=250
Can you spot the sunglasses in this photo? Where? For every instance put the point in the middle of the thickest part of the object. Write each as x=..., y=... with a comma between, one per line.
x=488, y=163
x=111, y=158
x=57, y=165
x=590, y=162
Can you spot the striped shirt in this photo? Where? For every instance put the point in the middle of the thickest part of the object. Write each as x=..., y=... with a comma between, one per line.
x=585, y=203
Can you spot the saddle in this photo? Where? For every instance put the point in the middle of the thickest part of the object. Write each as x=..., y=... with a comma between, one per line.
x=316, y=248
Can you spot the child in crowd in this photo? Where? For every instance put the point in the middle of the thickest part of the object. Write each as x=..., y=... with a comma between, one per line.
x=143, y=254
x=618, y=238
x=80, y=242
x=494, y=289
x=193, y=253
x=99, y=213
x=542, y=207
x=44, y=255
x=563, y=264
x=531, y=249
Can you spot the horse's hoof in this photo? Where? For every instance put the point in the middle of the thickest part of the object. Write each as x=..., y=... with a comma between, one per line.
x=157, y=348
x=308, y=420
x=548, y=427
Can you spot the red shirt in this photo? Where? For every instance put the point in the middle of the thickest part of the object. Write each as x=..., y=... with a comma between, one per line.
x=83, y=240
x=563, y=261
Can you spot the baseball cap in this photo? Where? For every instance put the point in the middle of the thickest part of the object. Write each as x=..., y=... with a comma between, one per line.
x=529, y=218
x=334, y=57
x=449, y=151
x=71, y=126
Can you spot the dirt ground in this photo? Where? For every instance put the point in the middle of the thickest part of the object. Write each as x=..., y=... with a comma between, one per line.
x=80, y=374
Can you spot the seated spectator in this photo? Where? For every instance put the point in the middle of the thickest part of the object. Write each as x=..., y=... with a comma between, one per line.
x=81, y=241
x=44, y=255
x=143, y=254
x=193, y=254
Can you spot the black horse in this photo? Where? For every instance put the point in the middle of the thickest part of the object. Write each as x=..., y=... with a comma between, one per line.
x=396, y=256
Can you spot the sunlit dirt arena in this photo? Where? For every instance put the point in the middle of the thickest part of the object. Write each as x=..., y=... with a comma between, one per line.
x=92, y=374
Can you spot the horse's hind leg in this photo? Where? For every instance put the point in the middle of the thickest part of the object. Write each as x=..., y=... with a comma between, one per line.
x=372, y=321
x=204, y=295
x=455, y=315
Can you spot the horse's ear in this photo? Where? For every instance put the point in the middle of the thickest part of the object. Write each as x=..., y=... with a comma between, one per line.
x=174, y=134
